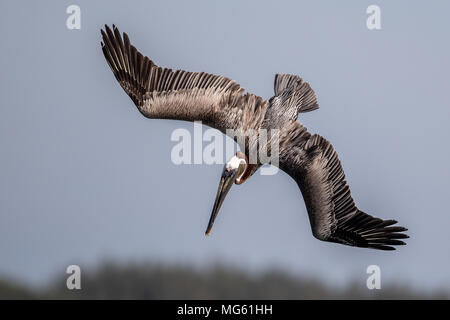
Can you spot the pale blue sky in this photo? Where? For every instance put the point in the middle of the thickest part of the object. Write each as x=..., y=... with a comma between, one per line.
x=83, y=176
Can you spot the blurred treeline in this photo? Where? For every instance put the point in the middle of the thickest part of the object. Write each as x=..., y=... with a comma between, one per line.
x=163, y=281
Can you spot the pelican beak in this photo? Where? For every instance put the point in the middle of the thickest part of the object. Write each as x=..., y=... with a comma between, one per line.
x=226, y=181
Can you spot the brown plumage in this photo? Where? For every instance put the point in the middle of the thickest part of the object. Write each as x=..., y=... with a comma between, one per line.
x=221, y=103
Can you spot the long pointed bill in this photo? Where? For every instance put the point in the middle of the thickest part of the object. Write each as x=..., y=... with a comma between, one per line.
x=226, y=181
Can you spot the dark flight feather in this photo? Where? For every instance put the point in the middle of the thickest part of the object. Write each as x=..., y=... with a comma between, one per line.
x=162, y=93
x=314, y=165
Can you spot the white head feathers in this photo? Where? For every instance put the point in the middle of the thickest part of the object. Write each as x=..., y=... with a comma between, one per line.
x=234, y=163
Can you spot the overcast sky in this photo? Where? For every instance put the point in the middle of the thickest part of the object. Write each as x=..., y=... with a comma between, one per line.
x=84, y=177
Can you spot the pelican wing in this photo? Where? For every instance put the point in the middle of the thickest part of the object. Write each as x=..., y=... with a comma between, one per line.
x=180, y=95
x=312, y=162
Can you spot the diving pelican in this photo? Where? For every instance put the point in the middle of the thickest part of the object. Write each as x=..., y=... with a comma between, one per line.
x=219, y=102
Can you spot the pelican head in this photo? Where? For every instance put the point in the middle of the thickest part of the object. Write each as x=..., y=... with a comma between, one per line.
x=236, y=170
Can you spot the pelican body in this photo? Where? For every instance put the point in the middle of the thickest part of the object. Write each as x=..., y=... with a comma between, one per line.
x=219, y=102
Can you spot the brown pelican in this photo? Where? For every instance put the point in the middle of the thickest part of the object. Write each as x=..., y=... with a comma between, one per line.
x=219, y=102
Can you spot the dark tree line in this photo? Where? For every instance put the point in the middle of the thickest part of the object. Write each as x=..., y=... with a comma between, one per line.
x=162, y=281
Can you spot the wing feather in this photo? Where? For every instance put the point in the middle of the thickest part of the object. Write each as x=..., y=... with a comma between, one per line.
x=162, y=93
x=313, y=163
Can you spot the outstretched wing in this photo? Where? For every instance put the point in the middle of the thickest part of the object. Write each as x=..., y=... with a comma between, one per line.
x=312, y=162
x=193, y=96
